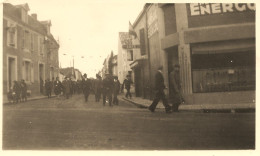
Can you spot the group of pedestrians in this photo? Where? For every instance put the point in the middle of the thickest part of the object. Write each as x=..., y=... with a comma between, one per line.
x=18, y=93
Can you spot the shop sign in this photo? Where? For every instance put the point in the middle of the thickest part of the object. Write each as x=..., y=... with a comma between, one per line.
x=216, y=8
x=152, y=21
x=131, y=46
x=152, y=29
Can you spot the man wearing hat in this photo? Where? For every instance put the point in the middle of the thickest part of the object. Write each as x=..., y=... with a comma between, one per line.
x=86, y=84
x=108, y=84
x=66, y=87
x=127, y=85
x=159, y=92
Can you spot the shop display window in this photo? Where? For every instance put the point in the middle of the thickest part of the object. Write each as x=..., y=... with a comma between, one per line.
x=223, y=72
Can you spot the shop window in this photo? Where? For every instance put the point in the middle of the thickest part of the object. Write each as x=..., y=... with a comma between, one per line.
x=220, y=72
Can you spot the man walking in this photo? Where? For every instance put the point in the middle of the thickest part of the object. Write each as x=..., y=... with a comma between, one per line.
x=97, y=87
x=107, y=89
x=116, y=90
x=17, y=90
x=66, y=87
x=127, y=85
x=86, y=86
x=159, y=89
x=57, y=86
x=23, y=91
x=48, y=87
x=175, y=88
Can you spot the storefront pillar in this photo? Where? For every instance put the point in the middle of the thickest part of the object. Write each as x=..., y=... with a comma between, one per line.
x=183, y=49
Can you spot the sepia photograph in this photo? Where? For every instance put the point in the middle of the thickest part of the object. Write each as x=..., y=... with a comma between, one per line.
x=128, y=76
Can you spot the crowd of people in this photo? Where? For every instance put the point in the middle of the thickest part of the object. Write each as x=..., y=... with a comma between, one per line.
x=18, y=93
x=109, y=87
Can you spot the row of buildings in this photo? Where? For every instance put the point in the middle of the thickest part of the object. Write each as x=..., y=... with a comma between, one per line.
x=214, y=44
x=30, y=51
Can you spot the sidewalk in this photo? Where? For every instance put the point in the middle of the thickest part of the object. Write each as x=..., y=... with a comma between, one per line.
x=5, y=100
x=145, y=103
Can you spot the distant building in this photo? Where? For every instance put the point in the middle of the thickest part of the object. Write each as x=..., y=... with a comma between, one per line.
x=72, y=73
x=30, y=52
x=114, y=66
x=125, y=55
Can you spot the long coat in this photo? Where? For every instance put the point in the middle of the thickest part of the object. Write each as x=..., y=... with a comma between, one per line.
x=66, y=87
x=86, y=86
x=57, y=87
x=159, y=81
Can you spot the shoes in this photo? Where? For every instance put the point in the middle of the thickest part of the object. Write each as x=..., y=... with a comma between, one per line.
x=152, y=110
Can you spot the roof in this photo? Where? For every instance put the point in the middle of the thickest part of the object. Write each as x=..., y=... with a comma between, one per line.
x=125, y=38
x=14, y=13
x=24, y=6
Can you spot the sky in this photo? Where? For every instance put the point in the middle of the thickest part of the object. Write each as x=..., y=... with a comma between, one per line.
x=85, y=28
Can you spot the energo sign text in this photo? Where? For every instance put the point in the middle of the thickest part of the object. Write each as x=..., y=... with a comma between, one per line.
x=216, y=8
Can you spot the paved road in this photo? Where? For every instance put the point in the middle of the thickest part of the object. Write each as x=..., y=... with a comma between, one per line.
x=59, y=124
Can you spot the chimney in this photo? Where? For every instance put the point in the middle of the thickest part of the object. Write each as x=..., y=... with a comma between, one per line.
x=34, y=16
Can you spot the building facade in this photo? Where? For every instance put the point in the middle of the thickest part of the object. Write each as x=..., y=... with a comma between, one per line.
x=29, y=50
x=124, y=56
x=213, y=43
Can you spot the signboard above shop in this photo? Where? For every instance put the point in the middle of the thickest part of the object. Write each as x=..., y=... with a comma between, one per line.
x=212, y=14
x=217, y=8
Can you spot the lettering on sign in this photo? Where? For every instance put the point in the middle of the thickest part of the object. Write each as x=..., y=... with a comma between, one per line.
x=217, y=8
x=152, y=29
x=130, y=46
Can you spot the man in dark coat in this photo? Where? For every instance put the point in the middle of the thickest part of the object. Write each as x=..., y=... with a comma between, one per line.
x=66, y=87
x=48, y=86
x=175, y=88
x=107, y=89
x=23, y=91
x=127, y=85
x=159, y=92
x=86, y=86
x=97, y=87
x=17, y=90
x=116, y=90
x=57, y=86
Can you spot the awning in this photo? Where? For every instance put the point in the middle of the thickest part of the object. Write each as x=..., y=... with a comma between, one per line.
x=223, y=46
x=138, y=62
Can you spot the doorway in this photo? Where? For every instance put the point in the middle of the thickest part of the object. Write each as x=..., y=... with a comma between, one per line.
x=11, y=72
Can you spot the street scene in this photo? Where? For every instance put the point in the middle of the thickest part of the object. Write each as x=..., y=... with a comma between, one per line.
x=128, y=76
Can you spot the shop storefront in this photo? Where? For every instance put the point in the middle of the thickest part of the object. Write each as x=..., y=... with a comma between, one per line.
x=215, y=46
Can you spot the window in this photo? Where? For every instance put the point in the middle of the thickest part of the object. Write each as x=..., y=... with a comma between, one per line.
x=11, y=34
x=142, y=41
x=129, y=55
x=24, y=16
x=32, y=42
x=26, y=39
x=28, y=75
x=219, y=71
x=40, y=46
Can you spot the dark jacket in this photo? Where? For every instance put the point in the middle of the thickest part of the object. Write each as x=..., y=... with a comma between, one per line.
x=159, y=81
x=127, y=84
x=108, y=84
x=86, y=85
x=116, y=87
x=57, y=87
